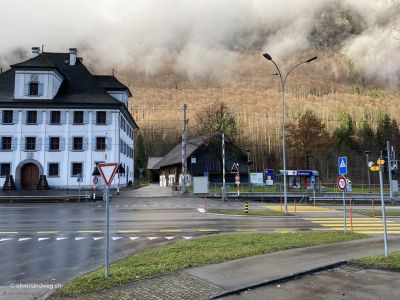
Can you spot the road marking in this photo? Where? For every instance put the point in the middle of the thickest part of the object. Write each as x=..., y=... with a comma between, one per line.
x=43, y=239
x=187, y=237
x=208, y=230
x=24, y=239
x=97, y=238
x=246, y=230
x=89, y=231
x=128, y=231
x=170, y=230
x=48, y=232
x=301, y=208
x=8, y=232
x=78, y=238
x=169, y=237
x=201, y=210
x=61, y=238
x=6, y=239
x=132, y=238
x=115, y=238
x=152, y=238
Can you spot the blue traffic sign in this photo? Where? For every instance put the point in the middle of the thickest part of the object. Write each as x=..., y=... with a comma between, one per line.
x=342, y=165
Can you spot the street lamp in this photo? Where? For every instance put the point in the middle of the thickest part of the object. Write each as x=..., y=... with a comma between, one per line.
x=369, y=177
x=283, y=84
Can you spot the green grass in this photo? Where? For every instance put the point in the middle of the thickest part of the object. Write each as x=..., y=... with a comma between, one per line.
x=391, y=262
x=377, y=212
x=252, y=212
x=197, y=252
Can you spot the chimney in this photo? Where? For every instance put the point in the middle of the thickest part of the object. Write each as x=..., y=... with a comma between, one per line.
x=72, y=56
x=35, y=51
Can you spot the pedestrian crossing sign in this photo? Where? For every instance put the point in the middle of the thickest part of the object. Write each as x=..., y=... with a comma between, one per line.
x=342, y=165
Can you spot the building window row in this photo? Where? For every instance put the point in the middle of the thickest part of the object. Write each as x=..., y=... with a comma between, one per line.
x=126, y=149
x=125, y=127
x=53, y=169
x=34, y=117
x=5, y=169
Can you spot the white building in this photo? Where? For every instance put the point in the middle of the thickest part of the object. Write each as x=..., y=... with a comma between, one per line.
x=59, y=120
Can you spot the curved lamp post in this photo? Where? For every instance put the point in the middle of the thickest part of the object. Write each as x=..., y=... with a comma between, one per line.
x=283, y=84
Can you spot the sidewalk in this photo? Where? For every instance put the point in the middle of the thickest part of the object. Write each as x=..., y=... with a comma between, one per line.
x=218, y=279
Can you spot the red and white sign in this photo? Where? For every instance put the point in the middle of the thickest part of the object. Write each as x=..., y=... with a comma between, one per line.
x=107, y=171
x=342, y=183
x=95, y=180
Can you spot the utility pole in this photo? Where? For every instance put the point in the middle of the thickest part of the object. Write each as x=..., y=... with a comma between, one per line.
x=383, y=210
x=389, y=154
x=223, y=169
x=184, y=184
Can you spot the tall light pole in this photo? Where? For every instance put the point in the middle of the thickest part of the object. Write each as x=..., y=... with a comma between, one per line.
x=283, y=85
x=369, y=176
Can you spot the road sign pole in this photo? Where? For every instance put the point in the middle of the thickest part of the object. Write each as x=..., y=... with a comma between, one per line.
x=383, y=210
x=344, y=215
x=107, y=235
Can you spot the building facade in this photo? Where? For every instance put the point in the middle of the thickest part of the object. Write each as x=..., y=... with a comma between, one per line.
x=59, y=120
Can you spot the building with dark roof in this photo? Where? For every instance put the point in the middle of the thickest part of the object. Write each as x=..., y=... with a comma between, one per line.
x=203, y=156
x=58, y=120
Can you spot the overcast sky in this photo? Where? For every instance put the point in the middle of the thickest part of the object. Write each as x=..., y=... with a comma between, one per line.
x=197, y=35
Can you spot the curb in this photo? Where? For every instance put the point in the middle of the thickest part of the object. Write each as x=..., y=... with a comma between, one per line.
x=280, y=279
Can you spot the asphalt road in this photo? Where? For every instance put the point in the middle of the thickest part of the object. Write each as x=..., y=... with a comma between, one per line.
x=52, y=243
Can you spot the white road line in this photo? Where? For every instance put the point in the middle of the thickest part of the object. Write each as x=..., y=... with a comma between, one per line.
x=201, y=210
x=23, y=239
x=61, y=238
x=114, y=238
x=187, y=237
x=6, y=239
x=169, y=237
x=132, y=238
x=43, y=239
x=152, y=238
x=78, y=238
x=97, y=238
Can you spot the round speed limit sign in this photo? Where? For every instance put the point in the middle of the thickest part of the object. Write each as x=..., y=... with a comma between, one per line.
x=342, y=183
x=95, y=180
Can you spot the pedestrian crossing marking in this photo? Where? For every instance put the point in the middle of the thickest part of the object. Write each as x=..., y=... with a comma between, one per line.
x=43, y=239
x=48, y=232
x=78, y=238
x=132, y=238
x=301, y=208
x=89, y=231
x=170, y=230
x=6, y=239
x=361, y=225
x=96, y=238
x=24, y=239
x=61, y=238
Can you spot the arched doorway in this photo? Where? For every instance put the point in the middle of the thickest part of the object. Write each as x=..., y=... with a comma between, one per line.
x=29, y=176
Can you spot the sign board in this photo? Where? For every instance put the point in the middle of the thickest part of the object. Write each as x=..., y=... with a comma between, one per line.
x=380, y=162
x=374, y=168
x=107, y=171
x=312, y=180
x=342, y=183
x=200, y=185
x=235, y=168
x=256, y=178
x=269, y=177
x=95, y=180
x=294, y=182
x=205, y=174
x=342, y=165
x=237, y=178
x=193, y=160
x=79, y=178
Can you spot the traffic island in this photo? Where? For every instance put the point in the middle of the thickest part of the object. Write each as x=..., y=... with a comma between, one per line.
x=195, y=253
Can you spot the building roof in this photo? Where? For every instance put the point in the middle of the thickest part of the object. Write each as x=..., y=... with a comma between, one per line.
x=175, y=155
x=109, y=82
x=79, y=89
x=152, y=162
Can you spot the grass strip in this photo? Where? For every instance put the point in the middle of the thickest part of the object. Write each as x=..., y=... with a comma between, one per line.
x=391, y=262
x=253, y=212
x=377, y=212
x=197, y=252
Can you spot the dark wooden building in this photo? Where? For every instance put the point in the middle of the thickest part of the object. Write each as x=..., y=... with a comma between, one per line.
x=204, y=157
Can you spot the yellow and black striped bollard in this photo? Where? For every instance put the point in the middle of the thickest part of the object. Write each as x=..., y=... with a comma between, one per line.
x=246, y=208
